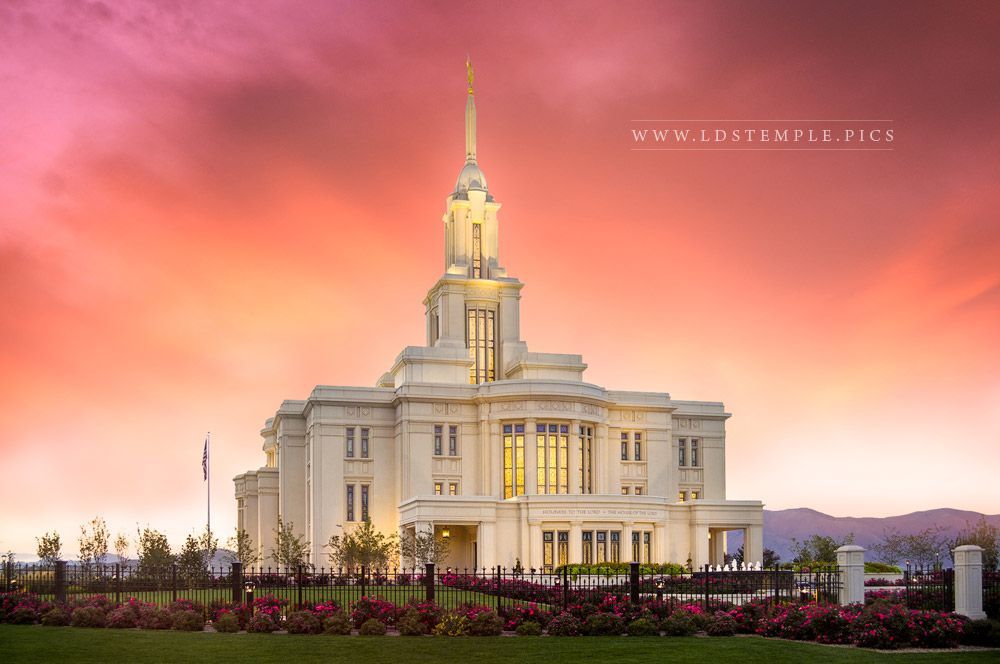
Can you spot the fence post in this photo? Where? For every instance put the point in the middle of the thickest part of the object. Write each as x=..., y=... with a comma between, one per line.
x=118, y=584
x=707, y=567
x=633, y=582
x=429, y=581
x=173, y=581
x=565, y=585
x=969, y=581
x=851, y=563
x=236, y=579
x=60, y=580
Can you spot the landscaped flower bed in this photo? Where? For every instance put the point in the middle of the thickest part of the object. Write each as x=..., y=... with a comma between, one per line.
x=882, y=623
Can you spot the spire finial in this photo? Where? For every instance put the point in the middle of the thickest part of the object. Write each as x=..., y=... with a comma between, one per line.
x=468, y=70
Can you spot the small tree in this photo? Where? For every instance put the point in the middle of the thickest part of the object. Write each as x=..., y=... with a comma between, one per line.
x=981, y=534
x=920, y=548
x=155, y=557
x=121, y=547
x=49, y=548
x=290, y=550
x=818, y=549
x=93, y=542
x=196, y=555
x=424, y=547
x=243, y=549
x=364, y=547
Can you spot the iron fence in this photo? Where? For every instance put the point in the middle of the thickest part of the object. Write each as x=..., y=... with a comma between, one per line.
x=991, y=593
x=501, y=589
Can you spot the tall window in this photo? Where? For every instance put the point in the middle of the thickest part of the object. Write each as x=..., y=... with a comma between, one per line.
x=563, y=547
x=636, y=537
x=364, y=502
x=552, y=450
x=624, y=446
x=513, y=460
x=586, y=458
x=477, y=251
x=637, y=441
x=647, y=548
x=481, y=336
x=616, y=546
x=602, y=546
x=364, y=443
x=453, y=440
x=349, y=449
x=694, y=451
x=437, y=439
x=588, y=547
x=350, y=502
x=547, y=549
x=681, y=445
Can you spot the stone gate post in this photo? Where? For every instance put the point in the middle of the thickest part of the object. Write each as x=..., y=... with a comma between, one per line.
x=851, y=561
x=969, y=581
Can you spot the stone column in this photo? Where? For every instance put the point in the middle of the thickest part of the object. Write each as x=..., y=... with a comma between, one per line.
x=574, y=457
x=660, y=543
x=486, y=545
x=627, y=542
x=717, y=547
x=753, y=544
x=599, y=468
x=969, y=581
x=530, y=458
x=699, y=546
x=575, y=543
x=534, y=546
x=851, y=561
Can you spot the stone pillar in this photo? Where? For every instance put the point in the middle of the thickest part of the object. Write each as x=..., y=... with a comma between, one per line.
x=530, y=458
x=851, y=561
x=574, y=457
x=575, y=543
x=753, y=544
x=699, y=546
x=627, y=542
x=969, y=581
x=660, y=543
x=534, y=546
x=487, y=545
x=717, y=547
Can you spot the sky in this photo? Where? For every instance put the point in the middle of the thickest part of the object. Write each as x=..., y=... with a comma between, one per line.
x=209, y=207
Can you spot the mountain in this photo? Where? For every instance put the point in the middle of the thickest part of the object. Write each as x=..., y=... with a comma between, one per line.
x=782, y=526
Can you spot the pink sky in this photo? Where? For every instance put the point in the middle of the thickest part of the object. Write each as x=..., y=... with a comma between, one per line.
x=190, y=191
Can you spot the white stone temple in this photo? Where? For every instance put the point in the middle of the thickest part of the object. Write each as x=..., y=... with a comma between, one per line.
x=509, y=453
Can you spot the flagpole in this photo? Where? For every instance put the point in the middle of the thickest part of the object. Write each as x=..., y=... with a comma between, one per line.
x=208, y=476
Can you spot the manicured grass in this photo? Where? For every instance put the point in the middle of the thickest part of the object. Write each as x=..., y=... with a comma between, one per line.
x=71, y=644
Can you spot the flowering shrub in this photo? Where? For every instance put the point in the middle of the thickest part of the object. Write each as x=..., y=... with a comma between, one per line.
x=564, y=624
x=884, y=582
x=603, y=624
x=88, y=616
x=124, y=617
x=749, y=616
x=485, y=623
x=529, y=628
x=721, y=624
x=428, y=613
x=269, y=603
x=372, y=627
x=368, y=608
x=265, y=621
x=326, y=609
x=55, y=617
x=188, y=621
x=895, y=596
x=100, y=602
x=520, y=613
x=622, y=607
x=679, y=623
x=410, y=624
x=22, y=615
x=303, y=622
x=932, y=629
x=154, y=617
x=452, y=624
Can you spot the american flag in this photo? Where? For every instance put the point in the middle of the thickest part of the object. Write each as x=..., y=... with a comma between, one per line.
x=204, y=462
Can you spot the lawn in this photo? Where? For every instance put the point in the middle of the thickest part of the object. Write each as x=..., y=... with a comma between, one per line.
x=71, y=644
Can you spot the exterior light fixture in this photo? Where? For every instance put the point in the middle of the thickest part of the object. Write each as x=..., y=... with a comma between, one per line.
x=445, y=533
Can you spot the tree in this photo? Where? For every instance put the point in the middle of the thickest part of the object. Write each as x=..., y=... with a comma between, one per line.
x=818, y=549
x=364, y=547
x=289, y=549
x=196, y=555
x=49, y=548
x=243, y=549
x=424, y=547
x=981, y=534
x=93, y=542
x=922, y=548
x=155, y=557
x=770, y=558
x=121, y=547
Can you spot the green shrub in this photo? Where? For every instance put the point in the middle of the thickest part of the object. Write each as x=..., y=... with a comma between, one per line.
x=452, y=624
x=603, y=624
x=303, y=622
x=611, y=569
x=227, y=623
x=263, y=622
x=154, y=617
x=337, y=625
x=643, y=627
x=529, y=628
x=565, y=624
x=410, y=624
x=881, y=568
x=22, y=615
x=188, y=621
x=679, y=623
x=372, y=627
x=55, y=618
x=976, y=633
x=721, y=624
x=486, y=623
x=88, y=616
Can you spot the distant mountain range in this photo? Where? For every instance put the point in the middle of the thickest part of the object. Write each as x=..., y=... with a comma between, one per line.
x=782, y=526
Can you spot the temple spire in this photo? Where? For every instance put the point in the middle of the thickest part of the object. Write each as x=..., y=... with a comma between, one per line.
x=470, y=118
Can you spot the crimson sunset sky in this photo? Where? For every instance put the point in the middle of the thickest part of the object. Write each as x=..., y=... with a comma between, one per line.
x=191, y=193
